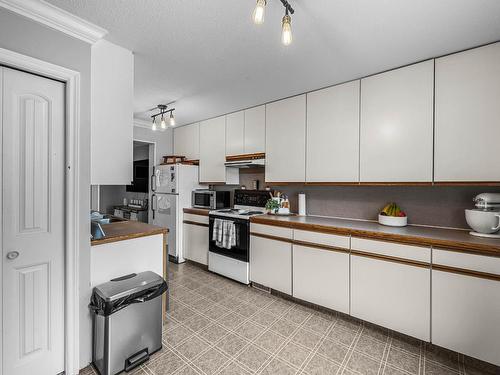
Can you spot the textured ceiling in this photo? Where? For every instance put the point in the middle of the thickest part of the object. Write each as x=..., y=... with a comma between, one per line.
x=208, y=56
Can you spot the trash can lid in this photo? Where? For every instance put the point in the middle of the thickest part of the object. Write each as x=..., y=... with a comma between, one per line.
x=128, y=285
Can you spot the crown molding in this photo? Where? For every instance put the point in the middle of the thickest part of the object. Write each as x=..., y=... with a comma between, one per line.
x=56, y=18
x=141, y=123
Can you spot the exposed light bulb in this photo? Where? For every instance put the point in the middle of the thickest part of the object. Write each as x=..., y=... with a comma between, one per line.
x=172, y=119
x=286, y=30
x=153, y=126
x=258, y=13
x=163, y=123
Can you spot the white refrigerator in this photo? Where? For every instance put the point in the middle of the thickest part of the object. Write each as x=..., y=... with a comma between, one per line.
x=172, y=186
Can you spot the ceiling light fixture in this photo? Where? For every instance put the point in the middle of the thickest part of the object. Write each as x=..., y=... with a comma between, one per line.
x=258, y=13
x=163, y=110
x=286, y=22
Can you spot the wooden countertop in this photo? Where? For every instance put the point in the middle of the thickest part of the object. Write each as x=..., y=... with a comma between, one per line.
x=197, y=211
x=126, y=230
x=453, y=239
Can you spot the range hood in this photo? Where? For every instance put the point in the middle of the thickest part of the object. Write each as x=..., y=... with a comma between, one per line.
x=246, y=161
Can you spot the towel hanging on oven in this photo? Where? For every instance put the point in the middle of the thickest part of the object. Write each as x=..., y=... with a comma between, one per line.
x=224, y=233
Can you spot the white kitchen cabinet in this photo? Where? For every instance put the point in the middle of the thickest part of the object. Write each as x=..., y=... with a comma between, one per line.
x=393, y=294
x=271, y=260
x=235, y=133
x=286, y=140
x=112, y=117
x=213, y=153
x=321, y=277
x=195, y=240
x=333, y=134
x=466, y=308
x=396, y=125
x=467, y=115
x=255, y=130
x=187, y=141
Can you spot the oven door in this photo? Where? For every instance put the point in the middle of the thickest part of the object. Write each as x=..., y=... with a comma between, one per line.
x=241, y=250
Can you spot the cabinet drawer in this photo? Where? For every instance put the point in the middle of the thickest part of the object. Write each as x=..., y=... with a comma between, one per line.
x=392, y=249
x=472, y=262
x=322, y=239
x=196, y=218
x=270, y=230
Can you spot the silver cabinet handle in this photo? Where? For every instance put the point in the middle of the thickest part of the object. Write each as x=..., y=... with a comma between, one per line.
x=11, y=255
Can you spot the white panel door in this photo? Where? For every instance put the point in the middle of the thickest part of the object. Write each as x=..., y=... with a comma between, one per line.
x=235, y=133
x=33, y=224
x=466, y=315
x=397, y=125
x=255, y=130
x=333, y=134
x=271, y=263
x=112, y=125
x=286, y=140
x=321, y=277
x=468, y=115
x=196, y=242
x=393, y=295
x=187, y=141
x=213, y=150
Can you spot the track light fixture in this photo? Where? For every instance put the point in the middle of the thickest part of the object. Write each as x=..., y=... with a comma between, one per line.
x=163, y=110
x=286, y=22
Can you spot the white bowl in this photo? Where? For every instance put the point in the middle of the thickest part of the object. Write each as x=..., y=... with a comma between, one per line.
x=393, y=221
x=483, y=221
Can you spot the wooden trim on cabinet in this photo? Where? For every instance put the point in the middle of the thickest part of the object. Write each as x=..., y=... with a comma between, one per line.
x=257, y=155
x=396, y=183
x=196, y=211
x=331, y=183
x=320, y=246
x=195, y=223
x=467, y=183
x=387, y=258
x=465, y=272
x=269, y=237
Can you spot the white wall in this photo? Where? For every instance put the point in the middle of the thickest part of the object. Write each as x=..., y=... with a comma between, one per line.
x=29, y=38
x=164, y=140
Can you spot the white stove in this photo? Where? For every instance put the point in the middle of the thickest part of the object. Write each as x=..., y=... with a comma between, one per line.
x=231, y=260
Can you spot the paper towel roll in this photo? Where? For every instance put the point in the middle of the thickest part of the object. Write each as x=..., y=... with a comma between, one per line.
x=302, y=204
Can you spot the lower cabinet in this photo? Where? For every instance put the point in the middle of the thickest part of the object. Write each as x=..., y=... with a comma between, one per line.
x=321, y=277
x=271, y=263
x=466, y=308
x=196, y=242
x=391, y=291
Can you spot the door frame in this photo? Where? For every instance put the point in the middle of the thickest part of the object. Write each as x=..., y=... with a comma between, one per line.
x=72, y=212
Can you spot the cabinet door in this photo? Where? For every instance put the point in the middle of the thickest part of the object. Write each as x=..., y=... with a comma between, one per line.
x=255, y=130
x=112, y=125
x=321, y=277
x=333, y=134
x=467, y=116
x=397, y=125
x=196, y=242
x=235, y=133
x=213, y=150
x=271, y=263
x=187, y=141
x=393, y=295
x=285, y=140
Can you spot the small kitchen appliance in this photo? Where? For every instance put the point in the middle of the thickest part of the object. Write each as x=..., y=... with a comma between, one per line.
x=233, y=261
x=485, y=218
x=210, y=199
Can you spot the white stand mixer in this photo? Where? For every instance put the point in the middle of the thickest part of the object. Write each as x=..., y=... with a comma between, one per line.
x=485, y=218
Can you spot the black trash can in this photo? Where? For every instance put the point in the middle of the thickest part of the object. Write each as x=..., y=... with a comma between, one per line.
x=127, y=321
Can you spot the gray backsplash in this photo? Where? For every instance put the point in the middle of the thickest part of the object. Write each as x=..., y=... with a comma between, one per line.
x=426, y=205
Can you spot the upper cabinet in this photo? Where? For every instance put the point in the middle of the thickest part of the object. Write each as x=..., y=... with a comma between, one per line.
x=187, y=141
x=333, y=134
x=246, y=131
x=285, y=140
x=255, y=130
x=235, y=133
x=396, y=130
x=467, y=117
x=112, y=118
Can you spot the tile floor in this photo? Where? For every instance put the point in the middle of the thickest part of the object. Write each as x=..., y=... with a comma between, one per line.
x=217, y=326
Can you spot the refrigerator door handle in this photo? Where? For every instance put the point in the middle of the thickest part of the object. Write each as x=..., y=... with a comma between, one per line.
x=154, y=204
x=153, y=183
